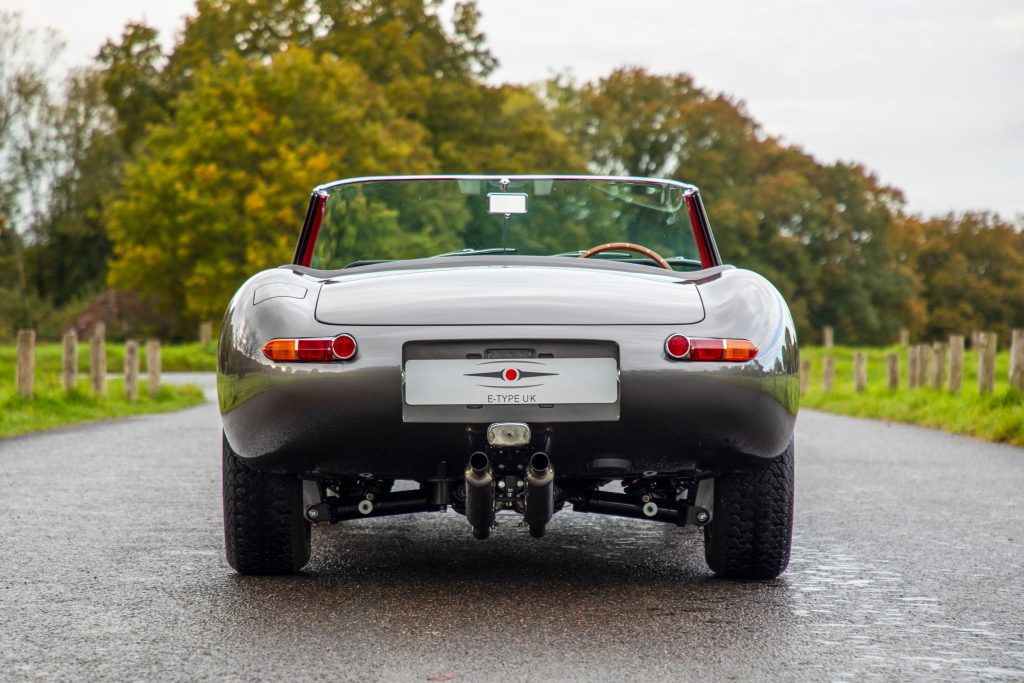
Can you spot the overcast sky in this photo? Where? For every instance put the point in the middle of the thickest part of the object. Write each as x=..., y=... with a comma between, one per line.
x=929, y=94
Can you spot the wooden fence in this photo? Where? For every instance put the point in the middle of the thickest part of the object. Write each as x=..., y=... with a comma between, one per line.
x=26, y=358
x=938, y=366
x=26, y=368
x=97, y=364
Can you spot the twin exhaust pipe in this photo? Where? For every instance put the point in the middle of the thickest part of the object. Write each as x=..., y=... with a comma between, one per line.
x=480, y=495
x=539, y=498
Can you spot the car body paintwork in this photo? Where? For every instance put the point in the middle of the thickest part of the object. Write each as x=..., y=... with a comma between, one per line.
x=347, y=417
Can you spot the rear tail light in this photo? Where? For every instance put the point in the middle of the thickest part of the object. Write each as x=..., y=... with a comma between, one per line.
x=344, y=346
x=324, y=350
x=313, y=350
x=679, y=347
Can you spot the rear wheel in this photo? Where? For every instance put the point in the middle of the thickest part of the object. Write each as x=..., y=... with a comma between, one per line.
x=751, y=527
x=265, y=531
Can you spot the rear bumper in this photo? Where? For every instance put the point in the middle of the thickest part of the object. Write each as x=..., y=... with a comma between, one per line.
x=350, y=427
x=348, y=418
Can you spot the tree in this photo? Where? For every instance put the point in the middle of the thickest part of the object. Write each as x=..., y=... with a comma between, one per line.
x=271, y=97
x=971, y=268
x=820, y=233
x=218, y=192
x=25, y=56
x=84, y=156
x=133, y=78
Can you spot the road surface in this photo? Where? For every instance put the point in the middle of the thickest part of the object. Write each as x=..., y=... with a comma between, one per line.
x=908, y=563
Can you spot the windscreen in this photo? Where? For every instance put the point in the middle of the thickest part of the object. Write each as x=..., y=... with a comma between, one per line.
x=378, y=220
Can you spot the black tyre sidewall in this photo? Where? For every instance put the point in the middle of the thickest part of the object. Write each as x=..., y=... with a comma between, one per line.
x=265, y=531
x=750, y=534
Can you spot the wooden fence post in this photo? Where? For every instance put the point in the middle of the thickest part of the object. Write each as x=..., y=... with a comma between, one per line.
x=805, y=375
x=956, y=363
x=828, y=375
x=98, y=359
x=131, y=370
x=924, y=365
x=860, y=371
x=987, y=362
x=1017, y=361
x=939, y=365
x=904, y=337
x=26, y=367
x=69, y=364
x=153, y=367
x=205, y=333
x=892, y=362
x=912, y=359
x=827, y=336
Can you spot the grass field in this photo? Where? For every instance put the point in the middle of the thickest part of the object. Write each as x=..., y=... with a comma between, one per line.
x=998, y=417
x=53, y=407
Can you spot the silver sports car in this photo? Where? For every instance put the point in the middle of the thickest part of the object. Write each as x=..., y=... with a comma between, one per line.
x=508, y=344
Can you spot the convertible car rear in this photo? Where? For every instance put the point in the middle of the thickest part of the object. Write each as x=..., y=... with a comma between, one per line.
x=511, y=344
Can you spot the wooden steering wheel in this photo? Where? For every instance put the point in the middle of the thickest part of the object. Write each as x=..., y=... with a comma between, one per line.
x=628, y=246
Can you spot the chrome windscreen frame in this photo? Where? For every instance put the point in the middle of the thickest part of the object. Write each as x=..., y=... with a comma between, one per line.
x=699, y=220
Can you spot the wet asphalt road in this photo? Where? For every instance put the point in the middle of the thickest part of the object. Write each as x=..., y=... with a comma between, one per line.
x=908, y=564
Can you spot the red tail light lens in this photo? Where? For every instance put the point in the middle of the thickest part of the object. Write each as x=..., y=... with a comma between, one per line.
x=324, y=350
x=344, y=346
x=707, y=349
x=677, y=346
x=315, y=350
x=701, y=349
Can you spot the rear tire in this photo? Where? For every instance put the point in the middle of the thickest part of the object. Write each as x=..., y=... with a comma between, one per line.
x=265, y=531
x=751, y=528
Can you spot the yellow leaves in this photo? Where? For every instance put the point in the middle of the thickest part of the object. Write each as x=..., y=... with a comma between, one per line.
x=254, y=202
x=206, y=173
x=318, y=164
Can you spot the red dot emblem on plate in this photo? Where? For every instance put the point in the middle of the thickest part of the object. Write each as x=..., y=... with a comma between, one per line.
x=510, y=375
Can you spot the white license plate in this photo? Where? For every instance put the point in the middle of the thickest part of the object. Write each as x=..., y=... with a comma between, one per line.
x=533, y=381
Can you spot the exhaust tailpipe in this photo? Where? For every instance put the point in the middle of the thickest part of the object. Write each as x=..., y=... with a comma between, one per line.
x=480, y=495
x=540, y=494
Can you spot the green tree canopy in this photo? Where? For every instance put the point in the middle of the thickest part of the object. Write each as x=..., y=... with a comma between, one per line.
x=821, y=233
x=217, y=193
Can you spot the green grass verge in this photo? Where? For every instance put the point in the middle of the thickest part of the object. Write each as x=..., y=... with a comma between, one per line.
x=53, y=407
x=997, y=417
